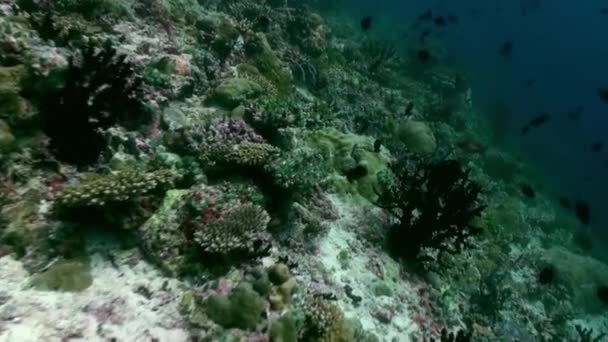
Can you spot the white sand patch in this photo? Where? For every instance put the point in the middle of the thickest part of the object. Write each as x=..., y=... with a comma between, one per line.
x=358, y=275
x=109, y=308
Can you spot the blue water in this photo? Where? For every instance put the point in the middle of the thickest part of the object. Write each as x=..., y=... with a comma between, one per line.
x=561, y=44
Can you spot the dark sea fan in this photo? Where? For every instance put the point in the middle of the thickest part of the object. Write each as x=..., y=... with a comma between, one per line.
x=435, y=203
x=98, y=90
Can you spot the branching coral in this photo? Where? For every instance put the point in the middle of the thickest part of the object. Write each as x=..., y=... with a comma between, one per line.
x=113, y=188
x=237, y=228
x=435, y=203
x=99, y=89
x=221, y=223
x=228, y=141
x=378, y=54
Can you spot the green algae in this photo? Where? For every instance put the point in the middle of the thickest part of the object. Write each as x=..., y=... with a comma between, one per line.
x=66, y=275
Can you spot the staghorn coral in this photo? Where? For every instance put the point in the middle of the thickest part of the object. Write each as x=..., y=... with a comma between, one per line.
x=113, y=188
x=224, y=219
x=98, y=90
x=227, y=141
x=235, y=229
x=435, y=203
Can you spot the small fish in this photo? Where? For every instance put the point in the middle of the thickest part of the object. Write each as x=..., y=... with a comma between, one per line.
x=440, y=21
x=377, y=145
x=597, y=147
x=527, y=190
x=530, y=82
x=424, y=34
x=426, y=16
x=424, y=55
x=366, y=23
x=583, y=212
x=452, y=18
x=471, y=146
x=564, y=202
x=409, y=108
x=546, y=275
x=537, y=121
x=603, y=94
x=506, y=48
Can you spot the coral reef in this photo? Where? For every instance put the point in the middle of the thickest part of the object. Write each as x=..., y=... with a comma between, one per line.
x=240, y=170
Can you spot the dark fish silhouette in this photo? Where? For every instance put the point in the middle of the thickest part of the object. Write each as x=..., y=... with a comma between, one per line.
x=440, y=21
x=564, y=202
x=409, y=108
x=546, y=275
x=528, y=191
x=424, y=34
x=576, y=113
x=530, y=82
x=471, y=146
x=366, y=23
x=537, y=121
x=452, y=18
x=597, y=146
x=426, y=16
x=506, y=48
x=356, y=172
x=583, y=212
x=603, y=94
x=424, y=55
x=602, y=293
x=604, y=11
x=377, y=145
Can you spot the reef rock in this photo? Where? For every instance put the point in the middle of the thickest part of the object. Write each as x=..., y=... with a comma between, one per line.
x=418, y=137
x=7, y=140
x=161, y=238
x=233, y=91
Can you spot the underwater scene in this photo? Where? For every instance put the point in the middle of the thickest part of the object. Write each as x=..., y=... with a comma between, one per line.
x=303, y=170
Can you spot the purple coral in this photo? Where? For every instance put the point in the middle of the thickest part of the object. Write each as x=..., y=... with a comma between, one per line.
x=229, y=141
x=222, y=132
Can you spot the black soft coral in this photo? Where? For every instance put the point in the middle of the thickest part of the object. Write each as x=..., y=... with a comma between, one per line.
x=435, y=203
x=100, y=89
